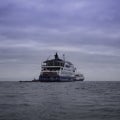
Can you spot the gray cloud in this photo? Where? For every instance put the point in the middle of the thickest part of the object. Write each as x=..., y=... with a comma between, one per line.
x=89, y=31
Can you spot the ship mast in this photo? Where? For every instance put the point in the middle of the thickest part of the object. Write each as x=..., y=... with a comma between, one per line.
x=56, y=56
x=64, y=57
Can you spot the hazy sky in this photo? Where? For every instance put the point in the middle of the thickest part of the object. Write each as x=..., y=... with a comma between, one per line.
x=86, y=31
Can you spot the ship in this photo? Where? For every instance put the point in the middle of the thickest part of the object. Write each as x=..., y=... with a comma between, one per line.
x=58, y=70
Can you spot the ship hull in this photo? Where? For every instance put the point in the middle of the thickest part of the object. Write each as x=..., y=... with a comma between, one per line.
x=56, y=79
x=79, y=79
x=59, y=79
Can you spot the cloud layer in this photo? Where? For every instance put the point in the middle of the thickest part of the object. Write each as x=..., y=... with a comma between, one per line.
x=87, y=31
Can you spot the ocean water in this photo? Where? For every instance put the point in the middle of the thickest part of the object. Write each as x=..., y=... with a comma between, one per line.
x=88, y=100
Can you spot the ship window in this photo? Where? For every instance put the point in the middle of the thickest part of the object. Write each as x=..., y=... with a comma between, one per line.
x=67, y=66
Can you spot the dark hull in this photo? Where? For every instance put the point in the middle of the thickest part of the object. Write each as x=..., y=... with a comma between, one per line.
x=57, y=79
x=79, y=80
x=54, y=79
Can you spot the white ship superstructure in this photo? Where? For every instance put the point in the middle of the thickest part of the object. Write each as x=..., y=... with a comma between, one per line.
x=57, y=70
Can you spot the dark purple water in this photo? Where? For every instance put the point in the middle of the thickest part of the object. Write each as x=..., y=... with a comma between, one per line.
x=60, y=101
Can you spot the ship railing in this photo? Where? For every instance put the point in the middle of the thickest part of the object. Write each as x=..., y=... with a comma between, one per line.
x=52, y=66
x=57, y=71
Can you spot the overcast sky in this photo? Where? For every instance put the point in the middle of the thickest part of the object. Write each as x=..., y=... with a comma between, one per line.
x=86, y=31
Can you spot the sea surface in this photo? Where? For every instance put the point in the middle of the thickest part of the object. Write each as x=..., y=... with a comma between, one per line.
x=88, y=100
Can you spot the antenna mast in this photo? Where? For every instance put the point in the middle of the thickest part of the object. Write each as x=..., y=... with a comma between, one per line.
x=64, y=57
